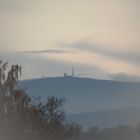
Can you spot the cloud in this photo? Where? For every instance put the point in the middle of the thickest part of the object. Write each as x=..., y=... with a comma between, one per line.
x=125, y=77
x=49, y=51
x=35, y=66
x=20, y=6
x=126, y=55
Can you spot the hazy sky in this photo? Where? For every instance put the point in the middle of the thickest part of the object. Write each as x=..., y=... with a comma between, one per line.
x=100, y=38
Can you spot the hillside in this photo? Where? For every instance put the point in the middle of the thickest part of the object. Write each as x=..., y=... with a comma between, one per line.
x=84, y=94
x=107, y=118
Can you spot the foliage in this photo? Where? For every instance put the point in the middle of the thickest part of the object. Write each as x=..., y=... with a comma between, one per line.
x=25, y=117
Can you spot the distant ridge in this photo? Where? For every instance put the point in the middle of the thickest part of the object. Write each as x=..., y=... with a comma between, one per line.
x=107, y=118
x=85, y=94
x=76, y=77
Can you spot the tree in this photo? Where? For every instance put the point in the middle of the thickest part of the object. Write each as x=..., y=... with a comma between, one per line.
x=8, y=95
x=138, y=128
x=25, y=117
x=72, y=130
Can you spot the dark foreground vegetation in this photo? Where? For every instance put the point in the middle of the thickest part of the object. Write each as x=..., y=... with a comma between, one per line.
x=28, y=118
x=24, y=117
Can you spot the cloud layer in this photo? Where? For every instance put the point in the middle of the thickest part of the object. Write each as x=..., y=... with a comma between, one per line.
x=98, y=35
x=122, y=54
x=49, y=51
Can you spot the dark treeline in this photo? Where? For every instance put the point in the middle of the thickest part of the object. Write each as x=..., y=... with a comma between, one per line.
x=24, y=117
x=118, y=133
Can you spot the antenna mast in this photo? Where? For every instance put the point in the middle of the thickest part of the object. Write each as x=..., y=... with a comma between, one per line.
x=72, y=74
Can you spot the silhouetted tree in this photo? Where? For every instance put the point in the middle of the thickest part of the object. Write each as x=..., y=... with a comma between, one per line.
x=72, y=130
x=25, y=117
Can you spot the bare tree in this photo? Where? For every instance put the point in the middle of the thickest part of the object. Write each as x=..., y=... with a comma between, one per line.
x=25, y=117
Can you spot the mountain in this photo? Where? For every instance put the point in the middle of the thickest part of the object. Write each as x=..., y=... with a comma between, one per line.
x=107, y=118
x=85, y=94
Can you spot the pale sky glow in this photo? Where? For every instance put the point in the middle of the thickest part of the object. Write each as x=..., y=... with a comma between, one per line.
x=104, y=34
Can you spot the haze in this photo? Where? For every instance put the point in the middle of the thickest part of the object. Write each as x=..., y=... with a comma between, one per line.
x=98, y=38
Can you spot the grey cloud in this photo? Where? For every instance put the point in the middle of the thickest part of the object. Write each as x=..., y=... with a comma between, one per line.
x=128, y=56
x=12, y=6
x=49, y=51
x=125, y=77
x=34, y=66
x=17, y=6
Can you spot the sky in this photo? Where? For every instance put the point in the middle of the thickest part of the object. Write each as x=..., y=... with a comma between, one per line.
x=99, y=38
